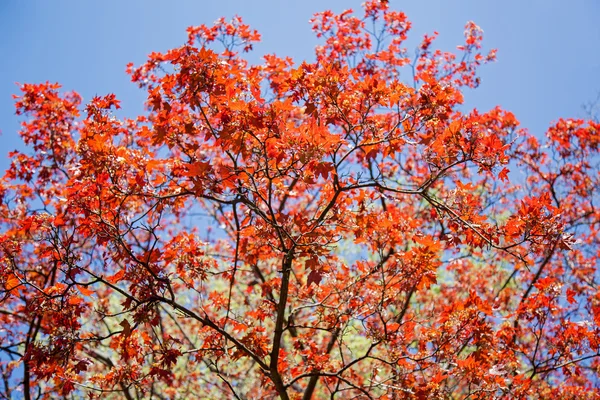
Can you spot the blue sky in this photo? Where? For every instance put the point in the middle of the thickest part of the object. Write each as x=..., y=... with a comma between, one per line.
x=548, y=59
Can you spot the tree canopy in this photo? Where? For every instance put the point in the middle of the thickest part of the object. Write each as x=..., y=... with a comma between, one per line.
x=341, y=228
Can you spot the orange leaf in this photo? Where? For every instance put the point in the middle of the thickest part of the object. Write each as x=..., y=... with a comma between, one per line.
x=59, y=221
x=74, y=300
x=85, y=291
x=393, y=327
x=116, y=277
x=12, y=282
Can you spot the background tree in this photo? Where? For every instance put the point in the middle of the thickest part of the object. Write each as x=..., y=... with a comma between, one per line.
x=367, y=238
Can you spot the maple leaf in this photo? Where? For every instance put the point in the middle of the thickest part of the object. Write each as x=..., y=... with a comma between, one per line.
x=115, y=278
x=84, y=290
x=12, y=282
x=314, y=276
x=126, y=328
x=503, y=174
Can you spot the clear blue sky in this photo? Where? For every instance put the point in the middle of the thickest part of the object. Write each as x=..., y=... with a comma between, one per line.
x=548, y=50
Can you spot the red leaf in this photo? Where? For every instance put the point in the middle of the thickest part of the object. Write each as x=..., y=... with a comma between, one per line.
x=315, y=276
x=503, y=175
x=197, y=169
x=309, y=108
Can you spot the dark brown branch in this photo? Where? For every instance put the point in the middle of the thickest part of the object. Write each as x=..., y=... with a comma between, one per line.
x=277, y=336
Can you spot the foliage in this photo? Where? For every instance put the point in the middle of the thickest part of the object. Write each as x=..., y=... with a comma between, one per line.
x=341, y=228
